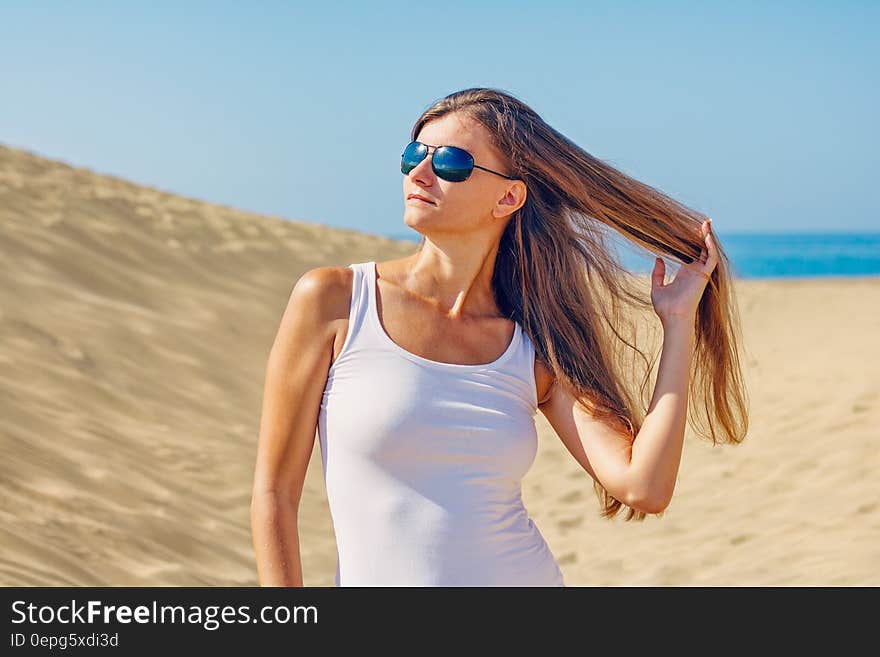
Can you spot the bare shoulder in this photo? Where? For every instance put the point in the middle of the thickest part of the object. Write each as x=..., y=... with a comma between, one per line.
x=319, y=300
x=326, y=291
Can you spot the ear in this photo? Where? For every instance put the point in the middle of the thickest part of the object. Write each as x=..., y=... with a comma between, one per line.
x=514, y=198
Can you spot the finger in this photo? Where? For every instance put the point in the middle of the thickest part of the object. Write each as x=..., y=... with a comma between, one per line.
x=712, y=260
x=659, y=273
x=705, y=230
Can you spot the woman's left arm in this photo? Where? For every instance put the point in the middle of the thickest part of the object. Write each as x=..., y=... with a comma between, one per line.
x=656, y=451
x=641, y=473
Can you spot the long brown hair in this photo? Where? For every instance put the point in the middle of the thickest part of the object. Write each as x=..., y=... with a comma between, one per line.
x=556, y=275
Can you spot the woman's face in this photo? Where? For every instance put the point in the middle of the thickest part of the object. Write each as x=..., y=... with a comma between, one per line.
x=458, y=207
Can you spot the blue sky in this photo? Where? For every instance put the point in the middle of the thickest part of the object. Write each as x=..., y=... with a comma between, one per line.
x=755, y=113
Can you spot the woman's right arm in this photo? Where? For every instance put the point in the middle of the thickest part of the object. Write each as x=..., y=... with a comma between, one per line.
x=296, y=373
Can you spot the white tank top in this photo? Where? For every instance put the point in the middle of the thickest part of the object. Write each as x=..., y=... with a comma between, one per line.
x=423, y=461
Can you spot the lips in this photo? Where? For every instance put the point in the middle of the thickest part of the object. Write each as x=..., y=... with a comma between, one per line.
x=420, y=197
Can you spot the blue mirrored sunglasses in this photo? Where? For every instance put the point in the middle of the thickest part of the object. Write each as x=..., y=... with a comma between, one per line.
x=448, y=162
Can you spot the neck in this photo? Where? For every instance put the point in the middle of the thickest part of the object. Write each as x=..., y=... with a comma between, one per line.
x=457, y=277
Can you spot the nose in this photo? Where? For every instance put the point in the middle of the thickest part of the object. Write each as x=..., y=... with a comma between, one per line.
x=423, y=170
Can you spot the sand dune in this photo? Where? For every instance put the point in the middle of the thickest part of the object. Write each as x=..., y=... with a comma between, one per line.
x=134, y=330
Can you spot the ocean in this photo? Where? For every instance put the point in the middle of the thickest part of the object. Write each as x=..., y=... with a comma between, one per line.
x=773, y=255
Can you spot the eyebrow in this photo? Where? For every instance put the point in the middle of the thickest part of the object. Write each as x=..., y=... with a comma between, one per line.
x=469, y=149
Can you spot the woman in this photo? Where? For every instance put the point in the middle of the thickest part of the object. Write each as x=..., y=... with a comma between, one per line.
x=423, y=374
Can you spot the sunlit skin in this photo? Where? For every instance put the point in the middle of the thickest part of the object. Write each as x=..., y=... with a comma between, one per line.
x=463, y=225
x=439, y=303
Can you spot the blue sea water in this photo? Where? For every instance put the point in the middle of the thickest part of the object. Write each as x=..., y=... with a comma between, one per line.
x=773, y=255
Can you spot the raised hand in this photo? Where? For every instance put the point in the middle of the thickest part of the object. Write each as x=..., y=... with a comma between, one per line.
x=681, y=296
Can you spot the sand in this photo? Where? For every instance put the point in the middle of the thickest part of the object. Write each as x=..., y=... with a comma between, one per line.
x=135, y=325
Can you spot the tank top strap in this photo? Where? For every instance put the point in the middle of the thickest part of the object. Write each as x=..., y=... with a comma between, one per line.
x=521, y=365
x=360, y=327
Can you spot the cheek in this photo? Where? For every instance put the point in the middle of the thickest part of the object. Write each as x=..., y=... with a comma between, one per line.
x=466, y=211
x=467, y=195
x=479, y=199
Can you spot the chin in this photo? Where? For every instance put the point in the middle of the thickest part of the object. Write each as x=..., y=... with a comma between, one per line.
x=415, y=220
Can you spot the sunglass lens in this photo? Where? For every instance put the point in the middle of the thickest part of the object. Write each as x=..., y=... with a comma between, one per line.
x=412, y=155
x=453, y=164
